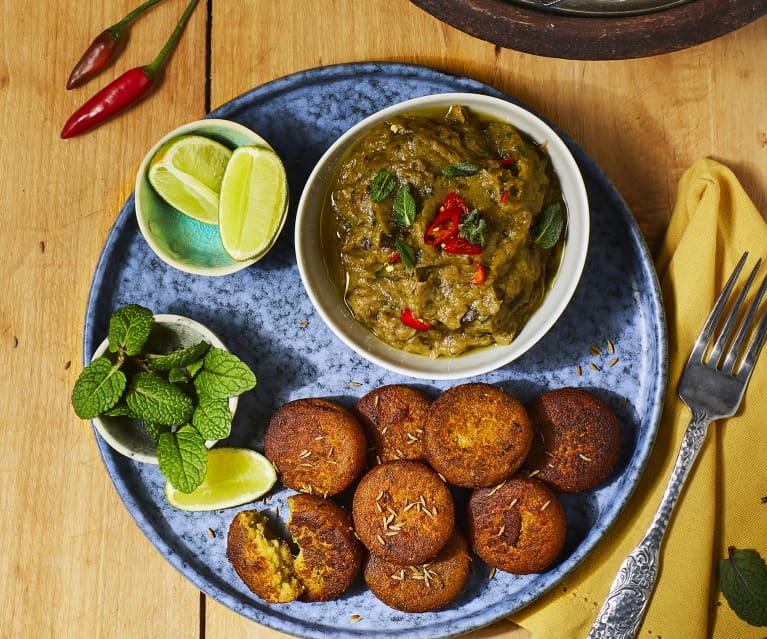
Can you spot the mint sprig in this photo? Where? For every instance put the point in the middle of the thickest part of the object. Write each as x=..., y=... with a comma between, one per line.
x=404, y=207
x=548, y=227
x=182, y=396
x=743, y=582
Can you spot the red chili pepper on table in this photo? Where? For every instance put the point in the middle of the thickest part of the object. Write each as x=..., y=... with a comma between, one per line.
x=408, y=318
x=129, y=88
x=106, y=46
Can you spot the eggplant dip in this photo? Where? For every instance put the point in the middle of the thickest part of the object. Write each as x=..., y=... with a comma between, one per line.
x=443, y=231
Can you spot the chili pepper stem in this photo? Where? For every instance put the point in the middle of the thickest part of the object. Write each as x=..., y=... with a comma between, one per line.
x=118, y=27
x=153, y=67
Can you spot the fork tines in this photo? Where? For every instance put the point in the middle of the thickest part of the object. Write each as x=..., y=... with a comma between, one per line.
x=734, y=353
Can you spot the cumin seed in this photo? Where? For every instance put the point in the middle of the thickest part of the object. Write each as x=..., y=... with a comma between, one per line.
x=305, y=453
x=613, y=362
x=594, y=367
x=534, y=473
x=584, y=457
x=546, y=505
x=496, y=489
x=380, y=540
x=594, y=350
x=610, y=347
x=578, y=370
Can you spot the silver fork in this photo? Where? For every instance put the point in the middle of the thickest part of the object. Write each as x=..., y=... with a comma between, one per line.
x=712, y=385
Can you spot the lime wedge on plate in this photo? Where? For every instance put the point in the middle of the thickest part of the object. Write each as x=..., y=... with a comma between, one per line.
x=235, y=476
x=187, y=172
x=253, y=203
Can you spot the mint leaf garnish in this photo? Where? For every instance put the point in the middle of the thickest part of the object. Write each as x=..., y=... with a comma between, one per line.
x=183, y=458
x=404, y=207
x=382, y=185
x=155, y=430
x=178, y=358
x=460, y=169
x=406, y=254
x=223, y=375
x=129, y=329
x=548, y=226
x=121, y=409
x=473, y=228
x=98, y=388
x=212, y=418
x=156, y=399
x=743, y=582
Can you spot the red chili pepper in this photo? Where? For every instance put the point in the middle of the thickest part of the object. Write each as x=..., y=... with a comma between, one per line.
x=504, y=195
x=394, y=258
x=445, y=224
x=125, y=91
x=443, y=227
x=507, y=161
x=479, y=274
x=460, y=246
x=104, y=49
x=408, y=318
x=455, y=200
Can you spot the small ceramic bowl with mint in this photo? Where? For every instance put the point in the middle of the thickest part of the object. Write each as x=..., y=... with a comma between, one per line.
x=186, y=212
x=162, y=389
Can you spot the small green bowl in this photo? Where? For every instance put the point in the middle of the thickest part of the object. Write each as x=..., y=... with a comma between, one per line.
x=177, y=239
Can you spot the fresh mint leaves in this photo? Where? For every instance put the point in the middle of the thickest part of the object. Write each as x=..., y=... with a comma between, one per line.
x=182, y=396
x=548, y=227
x=382, y=185
x=129, y=329
x=404, y=207
x=98, y=388
x=743, y=582
x=473, y=228
x=460, y=169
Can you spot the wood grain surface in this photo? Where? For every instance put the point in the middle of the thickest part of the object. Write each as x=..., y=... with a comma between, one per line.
x=74, y=564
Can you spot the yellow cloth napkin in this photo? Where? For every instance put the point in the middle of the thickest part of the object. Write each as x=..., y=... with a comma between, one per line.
x=713, y=222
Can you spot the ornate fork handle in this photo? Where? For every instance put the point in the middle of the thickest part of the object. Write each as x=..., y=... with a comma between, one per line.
x=624, y=607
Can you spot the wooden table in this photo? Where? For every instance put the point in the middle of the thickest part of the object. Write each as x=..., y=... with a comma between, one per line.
x=73, y=562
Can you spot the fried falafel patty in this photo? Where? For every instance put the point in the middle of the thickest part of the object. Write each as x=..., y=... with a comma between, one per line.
x=403, y=512
x=476, y=435
x=577, y=439
x=518, y=526
x=423, y=587
x=393, y=419
x=318, y=446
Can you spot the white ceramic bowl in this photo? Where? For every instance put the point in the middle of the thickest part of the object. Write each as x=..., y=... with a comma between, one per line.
x=128, y=436
x=338, y=317
x=178, y=240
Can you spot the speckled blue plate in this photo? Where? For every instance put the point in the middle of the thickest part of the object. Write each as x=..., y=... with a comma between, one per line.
x=264, y=315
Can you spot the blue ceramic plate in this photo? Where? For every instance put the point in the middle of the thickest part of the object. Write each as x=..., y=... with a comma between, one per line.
x=263, y=314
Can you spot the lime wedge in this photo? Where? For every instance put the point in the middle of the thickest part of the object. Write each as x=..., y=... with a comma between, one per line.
x=254, y=202
x=187, y=171
x=235, y=476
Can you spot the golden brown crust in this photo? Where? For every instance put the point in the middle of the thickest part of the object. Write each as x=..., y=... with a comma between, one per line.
x=577, y=441
x=317, y=446
x=393, y=419
x=476, y=435
x=403, y=512
x=423, y=587
x=330, y=555
x=518, y=526
x=263, y=561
